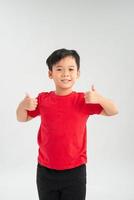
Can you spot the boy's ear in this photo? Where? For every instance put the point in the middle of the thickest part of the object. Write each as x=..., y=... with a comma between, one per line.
x=50, y=74
x=78, y=73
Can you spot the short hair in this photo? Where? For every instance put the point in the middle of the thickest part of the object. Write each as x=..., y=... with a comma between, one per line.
x=58, y=54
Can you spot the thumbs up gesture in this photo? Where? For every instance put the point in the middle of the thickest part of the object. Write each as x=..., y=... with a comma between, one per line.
x=92, y=96
x=29, y=103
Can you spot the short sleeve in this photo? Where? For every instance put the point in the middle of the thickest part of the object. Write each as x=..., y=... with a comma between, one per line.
x=93, y=108
x=89, y=108
x=35, y=112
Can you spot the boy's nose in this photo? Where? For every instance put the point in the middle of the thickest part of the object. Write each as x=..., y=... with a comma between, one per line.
x=65, y=74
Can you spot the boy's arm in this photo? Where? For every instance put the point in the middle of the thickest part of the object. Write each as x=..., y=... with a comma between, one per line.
x=27, y=104
x=109, y=108
x=104, y=113
x=21, y=114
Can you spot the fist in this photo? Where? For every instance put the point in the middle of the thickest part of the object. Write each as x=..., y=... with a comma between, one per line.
x=92, y=96
x=29, y=103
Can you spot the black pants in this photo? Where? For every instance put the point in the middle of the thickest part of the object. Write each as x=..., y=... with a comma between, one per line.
x=67, y=184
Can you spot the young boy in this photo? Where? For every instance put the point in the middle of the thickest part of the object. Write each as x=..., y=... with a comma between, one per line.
x=62, y=157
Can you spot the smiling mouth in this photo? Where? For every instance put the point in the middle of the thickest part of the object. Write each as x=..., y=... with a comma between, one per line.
x=65, y=80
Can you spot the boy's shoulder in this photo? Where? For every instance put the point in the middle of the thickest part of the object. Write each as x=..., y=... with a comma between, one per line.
x=42, y=94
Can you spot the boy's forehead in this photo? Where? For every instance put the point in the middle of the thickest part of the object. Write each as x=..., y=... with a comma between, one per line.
x=66, y=62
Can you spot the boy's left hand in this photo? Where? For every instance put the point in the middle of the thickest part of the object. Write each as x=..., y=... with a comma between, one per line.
x=92, y=96
x=109, y=108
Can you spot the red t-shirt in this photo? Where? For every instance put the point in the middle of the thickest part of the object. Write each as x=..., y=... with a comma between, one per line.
x=62, y=134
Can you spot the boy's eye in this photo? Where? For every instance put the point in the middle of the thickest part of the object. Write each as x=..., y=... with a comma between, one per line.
x=69, y=69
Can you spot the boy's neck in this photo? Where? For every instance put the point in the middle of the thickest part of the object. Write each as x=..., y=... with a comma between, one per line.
x=63, y=92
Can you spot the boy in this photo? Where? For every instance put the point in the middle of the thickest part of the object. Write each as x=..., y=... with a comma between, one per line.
x=61, y=168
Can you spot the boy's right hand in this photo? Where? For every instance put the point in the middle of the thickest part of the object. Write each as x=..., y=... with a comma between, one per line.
x=29, y=103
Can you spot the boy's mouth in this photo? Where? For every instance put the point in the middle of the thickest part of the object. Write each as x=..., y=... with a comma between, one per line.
x=65, y=80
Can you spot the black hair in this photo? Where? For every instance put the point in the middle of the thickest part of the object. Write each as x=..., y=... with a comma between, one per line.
x=58, y=54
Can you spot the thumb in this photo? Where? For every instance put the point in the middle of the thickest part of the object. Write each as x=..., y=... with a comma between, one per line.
x=93, y=88
x=27, y=95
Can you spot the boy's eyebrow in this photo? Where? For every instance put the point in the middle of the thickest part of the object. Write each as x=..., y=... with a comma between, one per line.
x=62, y=66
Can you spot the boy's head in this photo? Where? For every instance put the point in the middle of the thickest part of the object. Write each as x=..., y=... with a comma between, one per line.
x=64, y=68
x=59, y=54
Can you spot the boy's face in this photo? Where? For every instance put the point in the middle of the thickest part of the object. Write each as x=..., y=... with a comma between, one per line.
x=64, y=73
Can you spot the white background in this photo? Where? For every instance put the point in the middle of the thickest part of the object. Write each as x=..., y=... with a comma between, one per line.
x=102, y=31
